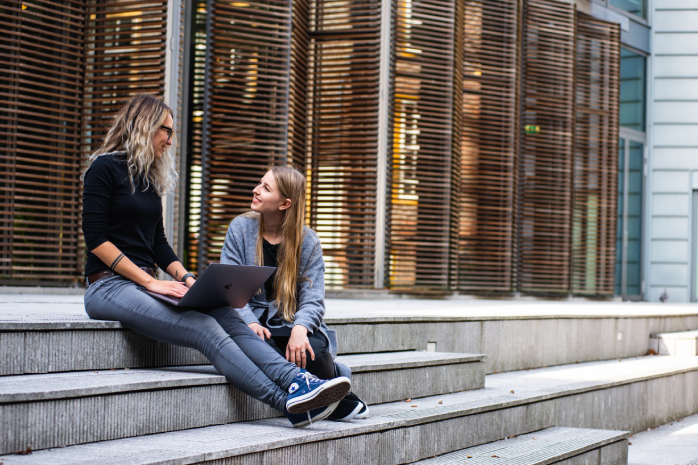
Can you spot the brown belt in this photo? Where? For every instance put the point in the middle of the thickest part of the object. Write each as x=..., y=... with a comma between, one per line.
x=93, y=278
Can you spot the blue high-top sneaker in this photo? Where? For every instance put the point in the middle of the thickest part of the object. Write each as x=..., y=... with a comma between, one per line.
x=301, y=420
x=308, y=392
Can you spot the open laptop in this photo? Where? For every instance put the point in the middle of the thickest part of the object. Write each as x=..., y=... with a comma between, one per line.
x=220, y=285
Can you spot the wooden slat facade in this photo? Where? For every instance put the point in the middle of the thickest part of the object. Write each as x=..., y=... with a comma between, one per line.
x=41, y=58
x=246, y=109
x=545, y=157
x=423, y=150
x=488, y=154
x=595, y=156
x=343, y=101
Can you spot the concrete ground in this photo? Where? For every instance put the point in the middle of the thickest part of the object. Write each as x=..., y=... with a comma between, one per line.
x=675, y=443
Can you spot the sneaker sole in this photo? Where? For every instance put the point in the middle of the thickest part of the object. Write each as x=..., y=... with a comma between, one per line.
x=328, y=411
x=332, y=391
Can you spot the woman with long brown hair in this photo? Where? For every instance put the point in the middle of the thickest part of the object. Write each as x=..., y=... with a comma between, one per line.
x=289, y=309
x=123, y=229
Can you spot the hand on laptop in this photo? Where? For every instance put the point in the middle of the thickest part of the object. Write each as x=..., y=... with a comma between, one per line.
x=171, y=288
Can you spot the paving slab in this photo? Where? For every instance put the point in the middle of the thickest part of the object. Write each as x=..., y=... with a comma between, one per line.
x=630, y=395
x=674, y=443
x=552, y=445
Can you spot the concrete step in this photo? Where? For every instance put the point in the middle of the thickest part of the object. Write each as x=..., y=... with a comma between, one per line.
x=47, y=335
x=632, y=395
x=549, y=446
x=682, y=343
x=59, y=409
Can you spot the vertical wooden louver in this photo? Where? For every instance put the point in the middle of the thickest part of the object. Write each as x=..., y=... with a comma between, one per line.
x=344, y=67
x=423, y=150
x=41, y=65
x=246, y=108
x=545, y=164
x=488, y=146
x=595, y=156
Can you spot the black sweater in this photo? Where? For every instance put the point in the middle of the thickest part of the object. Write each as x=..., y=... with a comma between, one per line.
x=132, y=221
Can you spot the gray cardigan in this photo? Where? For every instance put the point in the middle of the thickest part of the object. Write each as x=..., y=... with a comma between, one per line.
x=239, y=249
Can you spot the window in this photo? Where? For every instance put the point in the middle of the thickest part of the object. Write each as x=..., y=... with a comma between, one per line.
x=632, y=90
x=636, y=7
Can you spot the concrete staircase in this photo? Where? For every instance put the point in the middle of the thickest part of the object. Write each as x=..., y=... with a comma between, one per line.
x=682, y=343
x=80, y=391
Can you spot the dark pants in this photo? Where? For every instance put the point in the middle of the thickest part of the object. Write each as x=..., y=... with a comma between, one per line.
x=322, y=366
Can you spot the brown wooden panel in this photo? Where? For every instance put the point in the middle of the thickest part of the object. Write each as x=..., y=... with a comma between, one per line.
x=488, y=151
x=595, y=156
x=41, y=119
x=423, y=150
x=344, y=66
x=545, y=163
x=246, y=108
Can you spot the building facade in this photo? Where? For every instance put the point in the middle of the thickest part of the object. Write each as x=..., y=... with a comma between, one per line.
x=489, y=147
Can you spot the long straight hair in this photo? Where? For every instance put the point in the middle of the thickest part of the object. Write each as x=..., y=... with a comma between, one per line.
x=292, y=185
x=132, y=132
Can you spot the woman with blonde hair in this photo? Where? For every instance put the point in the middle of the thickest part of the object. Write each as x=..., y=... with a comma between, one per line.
x=123, y=229
x=289, y=309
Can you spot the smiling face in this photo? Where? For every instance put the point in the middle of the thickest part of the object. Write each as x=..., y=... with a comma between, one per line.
x=266, y=198
x=161, y=141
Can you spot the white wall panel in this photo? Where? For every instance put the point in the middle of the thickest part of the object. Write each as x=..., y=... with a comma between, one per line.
x=675, y=44
x=674, y=158
x=676, y=112
x=674, y=251
x=676, y=66
x=675, y=20
x=676, y=89
x=675, y=4
x=670, y=204
x=675, y=293
x=684, y=135
x=670, y=228
x=670, y=182
x=669, y=274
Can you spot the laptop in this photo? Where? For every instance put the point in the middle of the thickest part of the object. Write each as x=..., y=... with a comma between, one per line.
x=220, y=285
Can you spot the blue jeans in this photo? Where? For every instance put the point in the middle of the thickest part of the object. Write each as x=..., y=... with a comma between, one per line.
x=247, y=362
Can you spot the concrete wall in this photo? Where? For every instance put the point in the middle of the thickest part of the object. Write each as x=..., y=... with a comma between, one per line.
x=673, y=160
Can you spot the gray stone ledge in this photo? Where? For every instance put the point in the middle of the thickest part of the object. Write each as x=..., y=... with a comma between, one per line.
x=446, y=423
x=41, y=387
x=539, y=448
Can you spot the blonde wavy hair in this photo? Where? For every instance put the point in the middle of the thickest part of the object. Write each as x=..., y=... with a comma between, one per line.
x=292, y=185
x=132, y=132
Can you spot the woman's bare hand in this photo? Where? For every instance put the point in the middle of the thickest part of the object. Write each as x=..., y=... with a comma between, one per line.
x=297, y=345
x=260, y=330
x=171, y=288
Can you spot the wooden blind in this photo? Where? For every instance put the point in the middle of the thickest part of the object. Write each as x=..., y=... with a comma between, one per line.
x=423, y=149
x=196, y=125
x=595, y=156
x=488, y=151
x=41, y=65
x=246, y=110
x=343, y=95
x=545, y=169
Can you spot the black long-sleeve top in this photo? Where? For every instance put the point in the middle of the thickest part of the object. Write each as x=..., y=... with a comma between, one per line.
x=132, y=221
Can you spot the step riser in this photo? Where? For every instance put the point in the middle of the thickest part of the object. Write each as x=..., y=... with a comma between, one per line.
x=682, y=347
x=63, y=422
x=512, y=344
x=612, y=454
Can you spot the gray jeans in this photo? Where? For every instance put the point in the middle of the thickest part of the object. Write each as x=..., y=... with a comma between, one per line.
x=246, y=361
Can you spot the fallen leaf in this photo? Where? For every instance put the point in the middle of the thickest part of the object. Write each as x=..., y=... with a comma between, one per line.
x=470, y=456
x=495, y=456
x=511, y=392
x=24, y=452
x=407, y=400
x=630, y=443
x=441, y=402
x=534, y=438
x=412, y=405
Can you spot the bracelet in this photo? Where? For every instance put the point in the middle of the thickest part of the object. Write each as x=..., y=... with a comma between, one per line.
x=187, y=276
x=116, y=261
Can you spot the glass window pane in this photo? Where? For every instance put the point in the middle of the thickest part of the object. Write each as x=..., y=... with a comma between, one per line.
x=619, y=225
x=633, y=257
x=636, y=7
x=632, y=90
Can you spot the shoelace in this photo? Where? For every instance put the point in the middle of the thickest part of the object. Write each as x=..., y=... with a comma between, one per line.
x=309, y=377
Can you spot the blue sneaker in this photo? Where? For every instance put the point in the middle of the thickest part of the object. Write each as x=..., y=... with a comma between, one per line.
x=308, y=392
x=350, y=408
x=301, y=420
